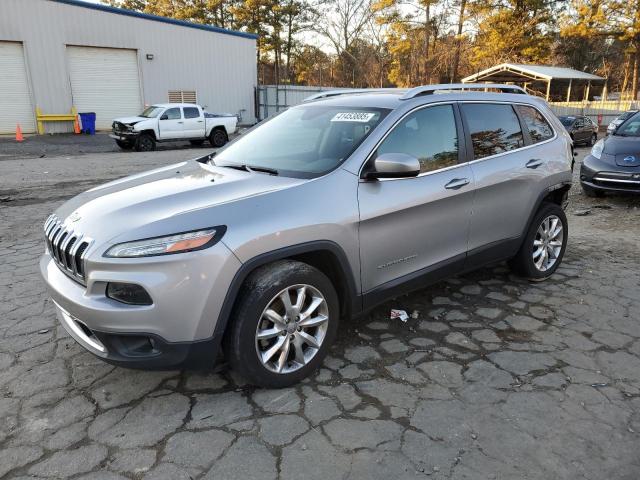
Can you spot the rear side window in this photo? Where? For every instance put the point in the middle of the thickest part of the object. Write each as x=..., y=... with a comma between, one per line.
x=494, y=128
x=430, y=135
x=539, y=128
x=191, y=112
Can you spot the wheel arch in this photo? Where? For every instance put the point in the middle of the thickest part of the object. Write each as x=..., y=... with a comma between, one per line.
x=148, y=131
x=554, y=194
x=325, y=255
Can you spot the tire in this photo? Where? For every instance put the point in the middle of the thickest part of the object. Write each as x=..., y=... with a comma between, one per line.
x=523, y=263
x=124, y=145
x=218, y=137
x=591, y=192
x=592, y=140
x=145, y=143
x=263, y=292
x=196, y=143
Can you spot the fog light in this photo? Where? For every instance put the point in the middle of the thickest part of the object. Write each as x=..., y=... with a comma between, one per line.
x=128, y=293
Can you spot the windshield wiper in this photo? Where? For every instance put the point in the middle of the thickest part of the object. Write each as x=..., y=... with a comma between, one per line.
x=250, y=168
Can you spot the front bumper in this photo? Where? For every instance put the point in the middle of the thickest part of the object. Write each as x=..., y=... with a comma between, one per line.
x=176, y=330
x=602, y=176
x=124, y=136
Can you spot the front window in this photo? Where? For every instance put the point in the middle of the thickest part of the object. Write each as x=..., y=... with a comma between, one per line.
x=303, y=141
x=630, y=128
x=151, y=112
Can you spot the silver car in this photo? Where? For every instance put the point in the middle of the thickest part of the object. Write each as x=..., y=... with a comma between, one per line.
x=318, y=214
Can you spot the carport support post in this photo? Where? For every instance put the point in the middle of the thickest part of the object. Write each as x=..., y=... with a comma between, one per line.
x=548, y=88
x=569, y=90
x=586, y=92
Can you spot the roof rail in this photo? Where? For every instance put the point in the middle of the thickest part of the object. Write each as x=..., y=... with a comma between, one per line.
x=347, y=91
x=445, y=87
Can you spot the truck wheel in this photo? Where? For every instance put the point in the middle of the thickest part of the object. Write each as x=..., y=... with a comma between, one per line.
x=196, y=143
x=145, y=143
x=218, y=137
x=544, y=244
x=284, y=322
x=124, y=145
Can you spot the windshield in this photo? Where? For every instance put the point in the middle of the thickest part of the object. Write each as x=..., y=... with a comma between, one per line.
x=567, y=121
x=625, y=115
x=303, y=141
x=630, y=128
x=151, y=112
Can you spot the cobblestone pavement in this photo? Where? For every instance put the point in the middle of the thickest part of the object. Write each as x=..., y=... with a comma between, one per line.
x=497, y=378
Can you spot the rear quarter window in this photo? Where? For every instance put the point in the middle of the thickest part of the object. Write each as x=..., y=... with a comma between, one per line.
x=494, y=128
x=539, y=128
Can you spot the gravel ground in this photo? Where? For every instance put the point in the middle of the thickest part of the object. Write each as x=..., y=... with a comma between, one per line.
x=497, y=378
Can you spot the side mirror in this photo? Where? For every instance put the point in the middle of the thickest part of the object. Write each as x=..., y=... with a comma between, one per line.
x=394, y=165
x=164, y=117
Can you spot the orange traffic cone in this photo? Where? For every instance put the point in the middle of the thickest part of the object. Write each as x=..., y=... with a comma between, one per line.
x=19, y=137
x=76, y=126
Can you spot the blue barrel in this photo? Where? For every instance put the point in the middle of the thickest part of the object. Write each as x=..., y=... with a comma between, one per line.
x=88, y=121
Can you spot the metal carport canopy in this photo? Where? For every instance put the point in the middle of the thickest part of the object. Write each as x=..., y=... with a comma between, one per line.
x=514, y=72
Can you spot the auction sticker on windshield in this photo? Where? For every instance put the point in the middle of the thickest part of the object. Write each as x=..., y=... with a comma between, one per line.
x=363, y=117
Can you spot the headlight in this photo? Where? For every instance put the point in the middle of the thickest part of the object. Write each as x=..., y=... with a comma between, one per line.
x=177, y=243
x=597, y=149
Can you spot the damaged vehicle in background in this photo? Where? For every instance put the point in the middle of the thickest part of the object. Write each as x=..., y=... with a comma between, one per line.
x=619, y=120
x=614, y=162
x=581, y=129
x=172, y=122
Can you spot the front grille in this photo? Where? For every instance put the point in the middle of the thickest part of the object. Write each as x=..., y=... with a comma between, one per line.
x=619, y=180
x=66, y=247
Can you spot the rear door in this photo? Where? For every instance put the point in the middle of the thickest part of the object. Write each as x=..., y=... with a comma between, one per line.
x=194, y=126
x=580, y=132
x=412, y=227
x=510, y=150
x=171, y=124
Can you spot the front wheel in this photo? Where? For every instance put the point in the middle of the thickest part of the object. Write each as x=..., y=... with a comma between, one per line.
x=544, y=244
x=218, y=138
x=145, y=143
x=284, y=322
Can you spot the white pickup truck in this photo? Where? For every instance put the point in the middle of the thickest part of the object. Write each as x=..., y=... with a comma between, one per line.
x=170, y=122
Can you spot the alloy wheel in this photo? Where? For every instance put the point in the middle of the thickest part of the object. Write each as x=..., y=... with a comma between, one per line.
x=292, y=328
x=547, y=243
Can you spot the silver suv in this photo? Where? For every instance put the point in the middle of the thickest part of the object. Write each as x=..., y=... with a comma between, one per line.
x=319, y=213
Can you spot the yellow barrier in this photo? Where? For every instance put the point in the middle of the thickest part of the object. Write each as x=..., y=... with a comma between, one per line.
x=54, y=117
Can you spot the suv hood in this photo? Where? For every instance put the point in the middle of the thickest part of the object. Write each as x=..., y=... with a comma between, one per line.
x=130, y=120
x=625, y=150
x=185, y=193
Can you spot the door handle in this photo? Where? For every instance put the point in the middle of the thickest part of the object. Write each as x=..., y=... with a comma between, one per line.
x=457, y=183
x=200, y=121
x=533, y=163
x=180, y=122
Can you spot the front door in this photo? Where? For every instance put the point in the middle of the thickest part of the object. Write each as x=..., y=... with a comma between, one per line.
x=412, y=227
x=171, y=124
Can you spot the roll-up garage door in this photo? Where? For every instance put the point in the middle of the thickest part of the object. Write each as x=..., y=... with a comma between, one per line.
x=15, y=101
x=105, y=81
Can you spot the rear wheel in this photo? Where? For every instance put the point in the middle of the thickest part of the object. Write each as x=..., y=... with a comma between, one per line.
x=145, y=143
x=124, y=144
x=544, y=244
x=218, y=137
x=283, y=324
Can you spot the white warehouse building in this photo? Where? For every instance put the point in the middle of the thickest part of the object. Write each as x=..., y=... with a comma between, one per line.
x=57, y=55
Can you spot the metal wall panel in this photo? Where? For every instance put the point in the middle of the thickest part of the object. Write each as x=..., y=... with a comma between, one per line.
x=220, y=67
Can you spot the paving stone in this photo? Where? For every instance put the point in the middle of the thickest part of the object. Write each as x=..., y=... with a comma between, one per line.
x=490, y=313
x=67, y=436
x=360, y=354
x=352, y=371
x=523, y=323
x=204, y=381
x=318, y=408
x=312, y=457
x=522, y=363
x=551, y=380
x=345, y=394
x=393, y=346
x=422, y=342
x=218, y=409
x=485, y=335
x=498, y=296
x=135, y=461
x=196, y=449
x=447, y=374
x=460, y=340
x=488, y=374
x=277, y=401
x=148, y=423
x=16, y=457
x=70, y=462
x=400, y=371
x=41, y=377
x=471, y=290
x=432, y=326
x=368, y=411
x=611, y=339
x=456, y=315
x=353, y=434
x=619, y=365
x=280, y=430
x=378, y=325
x=246, y=459
x=168, y=471
x=333, y=363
